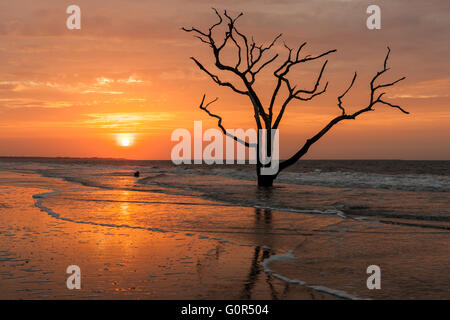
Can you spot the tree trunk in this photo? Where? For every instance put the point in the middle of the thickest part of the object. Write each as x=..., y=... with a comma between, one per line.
x=265, y=180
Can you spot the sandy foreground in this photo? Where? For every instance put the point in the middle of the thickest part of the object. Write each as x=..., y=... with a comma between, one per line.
x=131, y=249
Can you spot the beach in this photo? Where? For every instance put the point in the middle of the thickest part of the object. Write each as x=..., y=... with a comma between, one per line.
x=209, y=232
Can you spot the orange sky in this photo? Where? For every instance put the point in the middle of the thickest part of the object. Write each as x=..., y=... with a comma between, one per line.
x=70, y=92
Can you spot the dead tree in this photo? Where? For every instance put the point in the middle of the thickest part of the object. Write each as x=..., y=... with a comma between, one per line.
x=251, y=59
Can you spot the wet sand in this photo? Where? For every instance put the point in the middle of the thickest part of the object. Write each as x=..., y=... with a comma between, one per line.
x=123, y=262
x=141, y=245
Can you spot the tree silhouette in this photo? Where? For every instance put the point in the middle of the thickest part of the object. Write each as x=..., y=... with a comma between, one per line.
x=251, y=59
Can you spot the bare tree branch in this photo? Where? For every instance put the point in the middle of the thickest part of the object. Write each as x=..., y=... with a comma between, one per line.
x=343, y=95
x=313, y=94
x=292, y=92
x=219, y=122
x=207, y=37
x=344, y=116
x=393, y=106
x=260, y=50
x=217, y=80
x=253, y=58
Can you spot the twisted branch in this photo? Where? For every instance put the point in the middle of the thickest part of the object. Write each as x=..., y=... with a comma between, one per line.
x=345, y=116
x=251, y=60
x=219, y=122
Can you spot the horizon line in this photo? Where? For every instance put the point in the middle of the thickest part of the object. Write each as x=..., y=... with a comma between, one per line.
x=127, y=159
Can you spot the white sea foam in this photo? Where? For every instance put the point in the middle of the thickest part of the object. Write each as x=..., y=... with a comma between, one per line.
x=277, y=257
x=41, y=196
x=330, y=212
x=289, y=256
x=340, y=179
x=409, y=182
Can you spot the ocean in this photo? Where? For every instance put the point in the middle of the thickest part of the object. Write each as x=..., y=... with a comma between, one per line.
x=310, y=236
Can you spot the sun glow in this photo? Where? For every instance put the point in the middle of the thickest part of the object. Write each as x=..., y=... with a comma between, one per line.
x=125, y=139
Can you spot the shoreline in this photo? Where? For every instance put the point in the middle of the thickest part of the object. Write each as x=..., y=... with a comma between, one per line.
x=210, y=262
x=52, y=282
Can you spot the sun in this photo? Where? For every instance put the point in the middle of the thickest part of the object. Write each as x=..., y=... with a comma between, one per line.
x=125, y=142
x=125, y=139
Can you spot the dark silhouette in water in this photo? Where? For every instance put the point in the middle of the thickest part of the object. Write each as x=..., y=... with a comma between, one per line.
x=136, y=174
x=251, y=59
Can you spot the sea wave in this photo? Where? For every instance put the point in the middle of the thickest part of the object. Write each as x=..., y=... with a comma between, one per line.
x=340, y=179
x=290, y=256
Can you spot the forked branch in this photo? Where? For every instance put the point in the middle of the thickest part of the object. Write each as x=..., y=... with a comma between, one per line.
x=204, y=107
x=252, y=58
x=344, y=116
x=293, y=93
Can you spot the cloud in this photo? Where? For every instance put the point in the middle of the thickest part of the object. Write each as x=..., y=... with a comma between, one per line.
x=101, y=91
x=125, y=120
x=435, y=88
x=131, y=57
